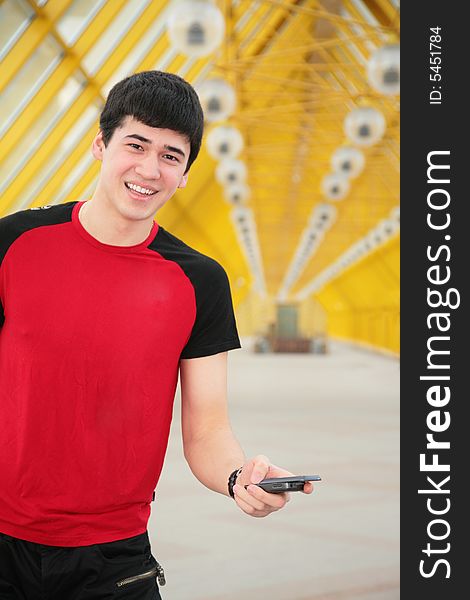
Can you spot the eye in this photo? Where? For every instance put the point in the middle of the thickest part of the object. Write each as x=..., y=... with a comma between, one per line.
x=136, y=146
x=171, y=157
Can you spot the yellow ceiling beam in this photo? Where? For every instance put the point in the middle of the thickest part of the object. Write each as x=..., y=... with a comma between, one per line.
x=56, y=181
x=52, y=9
x=248, y=27
x=176, y=63
x=97, y=27
x=21, y=51
x=195, y=69
x=31, y=38
x=53, y=85
x=303, y=48
x=78, y=192
x=34, y=109
x=69, y=64
x=385, y=13
x=132, y=37
x=32, y=170
x=323, y=14
x=158, y=49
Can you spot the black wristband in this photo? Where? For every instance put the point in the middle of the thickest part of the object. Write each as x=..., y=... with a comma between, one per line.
x=232, y=480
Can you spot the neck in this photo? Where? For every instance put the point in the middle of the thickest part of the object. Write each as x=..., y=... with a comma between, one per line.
x=109, y=227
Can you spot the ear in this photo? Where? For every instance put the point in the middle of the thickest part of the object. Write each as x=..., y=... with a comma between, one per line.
x=97, y=146
x=184, y=181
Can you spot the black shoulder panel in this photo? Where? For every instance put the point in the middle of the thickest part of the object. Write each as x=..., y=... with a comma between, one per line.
x=214, y=329
x=14, y=225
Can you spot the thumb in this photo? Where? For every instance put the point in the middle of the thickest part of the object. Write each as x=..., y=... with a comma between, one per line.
x=260, y=468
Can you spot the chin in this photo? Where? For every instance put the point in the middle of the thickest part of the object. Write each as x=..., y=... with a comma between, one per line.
x=139, y=213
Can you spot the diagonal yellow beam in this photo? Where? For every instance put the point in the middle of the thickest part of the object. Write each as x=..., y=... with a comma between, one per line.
x=384, y=12
x=325, y=14
x=50, y=89
x=146, y=20
x=31, y=38
x=39, y=160
x=71, y=62
x=292, y=50
x=88, y=178
x=53, y=185
x=34, y=109
x=96, y=28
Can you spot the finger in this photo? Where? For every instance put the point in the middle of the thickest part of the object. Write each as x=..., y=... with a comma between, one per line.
x=275, y=471
x=248, y=498
x=274, y=501
x=308, y=488
x=261, y=467
x=249, y=510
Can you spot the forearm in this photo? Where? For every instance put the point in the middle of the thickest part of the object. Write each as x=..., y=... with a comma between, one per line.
x=213, y=456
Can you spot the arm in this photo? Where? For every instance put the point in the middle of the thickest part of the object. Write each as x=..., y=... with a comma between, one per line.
x=210, y=446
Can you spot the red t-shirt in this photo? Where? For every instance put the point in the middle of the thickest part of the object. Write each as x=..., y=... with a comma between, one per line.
x=90, y=341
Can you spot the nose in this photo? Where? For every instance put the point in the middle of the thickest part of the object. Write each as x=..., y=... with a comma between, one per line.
x=148, y=167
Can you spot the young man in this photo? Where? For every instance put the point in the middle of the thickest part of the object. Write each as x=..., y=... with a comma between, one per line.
x=100, y=308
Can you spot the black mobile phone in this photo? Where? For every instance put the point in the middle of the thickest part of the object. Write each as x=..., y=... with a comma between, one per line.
x=278, y=485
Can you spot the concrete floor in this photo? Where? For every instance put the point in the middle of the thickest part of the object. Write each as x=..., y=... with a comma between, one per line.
x=335, y=415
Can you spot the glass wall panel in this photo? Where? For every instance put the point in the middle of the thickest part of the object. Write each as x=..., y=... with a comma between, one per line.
x=28, y=81
x=66, y=147
x=14, y=19
x=111, y=38
x=30, y=143
x=76, y=19
x=73, y=178
x=137, y=54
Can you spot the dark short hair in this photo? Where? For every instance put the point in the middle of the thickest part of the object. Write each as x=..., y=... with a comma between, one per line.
x=157, y=99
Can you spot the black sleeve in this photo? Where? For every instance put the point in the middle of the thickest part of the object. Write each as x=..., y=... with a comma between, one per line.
x=214, y=329
x=5, y=242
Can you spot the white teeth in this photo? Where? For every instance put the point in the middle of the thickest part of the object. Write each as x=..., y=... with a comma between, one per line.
x=139, y=189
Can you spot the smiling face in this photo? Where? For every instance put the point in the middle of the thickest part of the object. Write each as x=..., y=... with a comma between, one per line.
x=142, y=167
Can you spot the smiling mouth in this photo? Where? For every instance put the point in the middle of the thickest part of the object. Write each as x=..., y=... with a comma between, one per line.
x=141, y=191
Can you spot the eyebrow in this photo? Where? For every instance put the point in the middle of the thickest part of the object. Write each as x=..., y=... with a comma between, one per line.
x=175, y=150
x=141, y=138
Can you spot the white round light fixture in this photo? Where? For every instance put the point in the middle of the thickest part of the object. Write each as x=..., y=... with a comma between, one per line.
x=358, y=249
x=364, y=126
x=335, y=186
x=241, y=217
x=237, y=193
x=323, y=213
x=217, y=99
x=388, y=227
x=348, y=161
x=376, y=237
x=230, y=171
x=196, y=27
x=224, y=141
x=383, y=69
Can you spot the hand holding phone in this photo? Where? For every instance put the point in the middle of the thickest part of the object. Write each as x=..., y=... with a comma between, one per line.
x=279, y=485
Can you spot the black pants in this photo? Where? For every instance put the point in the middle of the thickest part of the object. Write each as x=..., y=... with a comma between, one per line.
x=124, y=569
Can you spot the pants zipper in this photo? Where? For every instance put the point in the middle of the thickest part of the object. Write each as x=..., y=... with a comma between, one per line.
x=157, y=572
